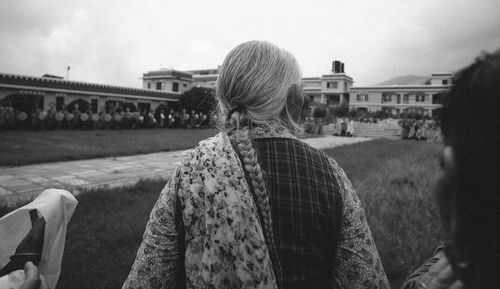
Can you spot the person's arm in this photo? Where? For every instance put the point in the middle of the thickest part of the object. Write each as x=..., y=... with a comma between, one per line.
x=412, y=281
x=435, y=273
x=357, y=263
x=160, y=259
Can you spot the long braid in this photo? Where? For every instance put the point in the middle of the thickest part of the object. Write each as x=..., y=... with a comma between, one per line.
x=252, y=167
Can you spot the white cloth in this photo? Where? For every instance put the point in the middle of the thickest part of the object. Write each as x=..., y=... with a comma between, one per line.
x=56, y=207
x=16, y=279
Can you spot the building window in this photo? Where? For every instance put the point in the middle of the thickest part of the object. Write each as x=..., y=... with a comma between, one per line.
x=185, y=84
x=362, y=97
x=59, y=102
x=406, y=98
x=386, y=97
x=437, y=98
x=332, y=84
x=333, y=99
x=149, y=84
x=175, y=86
x=445, y=81
x=158, y=85
x=93, y=105
x=420, y=97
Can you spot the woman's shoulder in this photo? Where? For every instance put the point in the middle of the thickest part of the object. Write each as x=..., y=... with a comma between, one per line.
x=211, y=146
x=215, y=151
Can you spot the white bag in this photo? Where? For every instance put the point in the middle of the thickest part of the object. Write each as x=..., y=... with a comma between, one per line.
x=56, y=207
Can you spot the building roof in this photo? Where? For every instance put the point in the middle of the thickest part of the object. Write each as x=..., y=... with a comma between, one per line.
x=442, y=74
x=209, y=77
x=401, y=87
x=31, y=82
x=205, y=71
x=168, y=73
x=328, y=77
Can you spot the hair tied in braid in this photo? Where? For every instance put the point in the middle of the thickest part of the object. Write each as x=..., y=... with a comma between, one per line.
x=235, y=119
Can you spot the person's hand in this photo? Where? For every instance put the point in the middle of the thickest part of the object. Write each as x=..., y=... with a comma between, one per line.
x=33, y=279
x=440, y=276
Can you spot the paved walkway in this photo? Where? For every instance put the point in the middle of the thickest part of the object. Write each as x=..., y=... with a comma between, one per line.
x=21, y=183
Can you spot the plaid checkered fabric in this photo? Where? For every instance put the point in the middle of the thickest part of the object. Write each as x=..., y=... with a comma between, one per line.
x=306, y=209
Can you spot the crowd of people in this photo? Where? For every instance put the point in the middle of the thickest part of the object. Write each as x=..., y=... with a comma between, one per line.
x=112, y=118
x=420, y=129
x=341, y=126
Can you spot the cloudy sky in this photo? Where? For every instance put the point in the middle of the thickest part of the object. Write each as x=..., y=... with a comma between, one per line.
x=114, y=42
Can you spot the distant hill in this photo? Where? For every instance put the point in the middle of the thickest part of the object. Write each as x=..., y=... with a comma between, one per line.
x=405, y=80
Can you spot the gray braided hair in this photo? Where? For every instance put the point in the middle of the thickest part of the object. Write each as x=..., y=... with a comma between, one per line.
x=258, y=82
x=252, y=167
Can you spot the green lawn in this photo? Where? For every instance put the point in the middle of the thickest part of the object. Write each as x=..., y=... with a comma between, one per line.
x=28, y=147
x=394, y=179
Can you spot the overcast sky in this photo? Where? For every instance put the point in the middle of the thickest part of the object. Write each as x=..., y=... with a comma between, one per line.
x=114, y=42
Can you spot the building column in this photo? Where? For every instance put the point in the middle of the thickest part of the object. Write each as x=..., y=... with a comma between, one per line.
x=323, y=98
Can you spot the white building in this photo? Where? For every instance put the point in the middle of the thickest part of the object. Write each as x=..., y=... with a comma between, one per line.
x=25, y=93
x=332, y=89
x=395, y=99
x=205, y=77
x=168, y=80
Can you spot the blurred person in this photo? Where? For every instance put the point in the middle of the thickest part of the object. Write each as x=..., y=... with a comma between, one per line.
x=10, y=119
x=184, y=118
x=162, y=119
x=51, y=116
x=85, y=119
x=75, y=122
x=343, y=127
x=467, y=190
x=201, y=119
x=413, y=129
x=350, y=128
x=193, y=119
x=171, y=119
x=35, y=120
x=151, y=119
x=3, y=111
x=117, y=120
x=255, y=207
x=127, y=121
x=21, y=117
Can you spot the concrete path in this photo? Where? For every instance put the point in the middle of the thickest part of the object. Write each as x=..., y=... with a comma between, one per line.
x=24, y=182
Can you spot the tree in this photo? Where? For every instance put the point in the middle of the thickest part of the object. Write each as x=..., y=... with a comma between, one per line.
x=342, y=110
x=201, y=99
x=319, y=111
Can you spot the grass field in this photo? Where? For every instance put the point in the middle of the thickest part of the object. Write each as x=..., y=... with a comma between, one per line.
x=28, y=147
x=394, y=180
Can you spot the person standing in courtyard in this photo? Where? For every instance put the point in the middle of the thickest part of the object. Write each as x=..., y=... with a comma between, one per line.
x=467, y=190
x=350, y=128
x=255, y=207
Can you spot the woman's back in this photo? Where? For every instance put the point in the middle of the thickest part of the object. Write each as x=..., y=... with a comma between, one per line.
x=254, y=207
x=319, y=225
